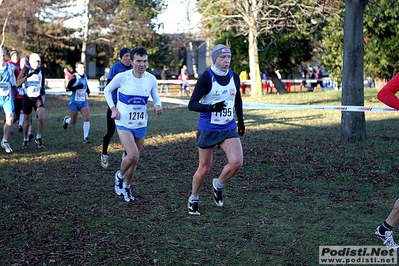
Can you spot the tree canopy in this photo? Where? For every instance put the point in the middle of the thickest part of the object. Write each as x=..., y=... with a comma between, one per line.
x=381, y=41
x=37, y=26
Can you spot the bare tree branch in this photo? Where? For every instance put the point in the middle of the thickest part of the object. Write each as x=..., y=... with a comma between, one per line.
x=254, y=18
x=3, y=32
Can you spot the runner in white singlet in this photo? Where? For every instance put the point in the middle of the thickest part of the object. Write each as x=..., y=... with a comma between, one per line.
x=130, y=114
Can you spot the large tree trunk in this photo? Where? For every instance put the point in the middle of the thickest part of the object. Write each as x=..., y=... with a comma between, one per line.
x=254, y=71
x=353, y=124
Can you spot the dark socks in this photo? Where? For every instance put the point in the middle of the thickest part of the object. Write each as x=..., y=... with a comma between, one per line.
x=385, y=227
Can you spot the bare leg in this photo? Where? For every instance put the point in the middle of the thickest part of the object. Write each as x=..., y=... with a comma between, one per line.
x=204, y=166
x=40, y=123
x=7, y=125
x=393, y=217
x=27, y=124
x=233, y=150
x=132, y=147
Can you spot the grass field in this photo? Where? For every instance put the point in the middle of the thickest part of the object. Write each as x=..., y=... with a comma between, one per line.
x=299, y=188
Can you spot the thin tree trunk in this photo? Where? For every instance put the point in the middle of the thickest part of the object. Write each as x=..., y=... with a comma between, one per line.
x=85, y=31
x=194, y=59
x=3, y=33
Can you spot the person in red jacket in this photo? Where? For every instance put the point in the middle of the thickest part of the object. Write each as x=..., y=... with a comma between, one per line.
x=387, y=93
x=384, y=231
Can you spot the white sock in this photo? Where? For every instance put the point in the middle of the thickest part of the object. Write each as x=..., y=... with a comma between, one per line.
x=120, y=176
x=192, y=197
x=218, y=185
x=86, y=129
x=21, y=119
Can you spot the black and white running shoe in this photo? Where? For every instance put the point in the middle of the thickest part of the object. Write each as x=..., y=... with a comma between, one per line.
x=39, y=143
x=193, y=207
x=118, y=183
x=217, y=194
x=127, y=194
x=64, y=123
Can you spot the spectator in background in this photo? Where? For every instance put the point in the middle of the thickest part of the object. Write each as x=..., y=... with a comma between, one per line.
x=277, y=72
x=304, y=71
x=319, y=76
x=164, y=76
x=243, y=78
x=67, y=74
x=106, y=73
x=265, y=82
x=184, y=68
x=264, y=76
x=67, y=77
x=185, y=86
x=304, y=85
x=288, y=83
x=305, y=75
x=313, y=84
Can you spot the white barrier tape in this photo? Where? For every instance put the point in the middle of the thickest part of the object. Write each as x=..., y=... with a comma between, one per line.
x=318, y=107
x=173, y=100
x=250, y=105
x=279, y=106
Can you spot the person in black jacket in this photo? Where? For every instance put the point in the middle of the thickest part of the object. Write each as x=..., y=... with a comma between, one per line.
x=164, y=76
x=124, y=64
x=217, y=98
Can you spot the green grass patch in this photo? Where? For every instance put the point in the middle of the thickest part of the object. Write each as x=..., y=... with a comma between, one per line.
x=299, y=188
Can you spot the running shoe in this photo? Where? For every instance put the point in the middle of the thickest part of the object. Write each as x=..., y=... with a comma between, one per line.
x=25, y=144
x=86, y=141
x=127, y=194
x=6, y=146
x=20, y=129
x=31, y=137
x=118, y=183
x=64, y=123
x=387, y=238
x=193, y=207
x=217, y=194
x=39, y=143
x=104, y=160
